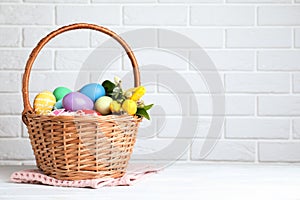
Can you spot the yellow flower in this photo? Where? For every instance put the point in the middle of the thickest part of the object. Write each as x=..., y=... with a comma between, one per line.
x=129, y=106
x=115, y=107
x=138, y=93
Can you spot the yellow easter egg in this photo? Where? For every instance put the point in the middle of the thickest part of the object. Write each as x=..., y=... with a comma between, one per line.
x=129, y=106
x=44, y=102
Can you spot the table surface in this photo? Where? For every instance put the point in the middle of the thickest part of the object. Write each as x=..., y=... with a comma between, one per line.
x=179, y=181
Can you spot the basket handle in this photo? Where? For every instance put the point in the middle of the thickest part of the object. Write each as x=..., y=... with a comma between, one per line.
x=45, y=40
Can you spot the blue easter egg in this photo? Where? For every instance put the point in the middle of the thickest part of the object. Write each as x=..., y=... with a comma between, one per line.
x=58, y=104
x=93, y=90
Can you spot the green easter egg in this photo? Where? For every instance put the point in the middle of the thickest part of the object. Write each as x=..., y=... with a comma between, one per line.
x=60, y=92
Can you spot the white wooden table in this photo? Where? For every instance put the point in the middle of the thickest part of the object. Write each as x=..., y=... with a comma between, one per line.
x=179, y=181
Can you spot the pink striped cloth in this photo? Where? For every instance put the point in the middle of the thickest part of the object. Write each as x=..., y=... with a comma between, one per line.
x=35, y=176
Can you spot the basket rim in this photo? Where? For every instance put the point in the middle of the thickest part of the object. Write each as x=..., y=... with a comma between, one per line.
x=101, y=117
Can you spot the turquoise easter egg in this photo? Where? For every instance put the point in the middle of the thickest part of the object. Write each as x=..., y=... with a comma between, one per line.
x=93, y=90
x=60, y=92
x=58, y=104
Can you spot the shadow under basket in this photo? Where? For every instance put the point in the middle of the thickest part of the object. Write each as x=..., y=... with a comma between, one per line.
x=80, y=147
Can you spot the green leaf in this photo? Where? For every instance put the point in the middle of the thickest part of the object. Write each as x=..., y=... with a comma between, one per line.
x=108, y=86
x=148, y=107
x=143, y=113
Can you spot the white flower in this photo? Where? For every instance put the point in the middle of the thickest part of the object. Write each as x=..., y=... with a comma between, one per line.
x=117, y=80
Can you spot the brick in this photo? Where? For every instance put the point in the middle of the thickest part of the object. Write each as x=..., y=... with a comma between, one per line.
x=182, y=83
x=242, y=151
x=155, y=15
x=40, y=81
x=10, y=126
x=16, y=60
x=296, y=83
x=153, y=59
x=259, y=1
x=297, y=37
x=70, y=59
x=296, y=128
x=15, y=105
x=279, y=152
x=239, y=105
x=258, y=83
x=187, y=127
x=211, y=82
x=190, y=38
x=105, y=15
x=216, y=60
x=160, y=149
x=279, y=60
x=123, y=1
x=10, y=82
x=148, y=79
x=234, y=105
x=222, y=15
x=257, y=128
x=101, y=75
x=130, y=35
x=26, y=14
x=259, y=38
x=232, y=60
x=190, y=1
x=10, y=37
x=166, y=104
x=78, y=38
x=10, y=1
x=57, y=1
x=8, y=150
x=279, y=105
x=279, y=15
x=88, y=60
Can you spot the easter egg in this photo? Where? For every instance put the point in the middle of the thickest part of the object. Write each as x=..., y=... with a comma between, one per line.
x=44, y=102
x=60, y=92
x=58, y=104
x=93, y=90
x=76, y=101
x=102, y=105
x=129, y=106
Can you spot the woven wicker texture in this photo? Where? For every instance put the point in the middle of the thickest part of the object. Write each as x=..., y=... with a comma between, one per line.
x=80, y=147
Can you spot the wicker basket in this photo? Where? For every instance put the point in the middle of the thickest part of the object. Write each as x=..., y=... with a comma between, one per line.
x=80, y=147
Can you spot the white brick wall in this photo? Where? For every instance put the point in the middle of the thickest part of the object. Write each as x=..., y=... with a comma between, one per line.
x=26, y=14
x=13, y=40
x=222, y=15
x=279, y=60
x=259, y=38
x=257, y=83
x=279, y=15
x=155, y=15
x=254, y=44
x=257, y=128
